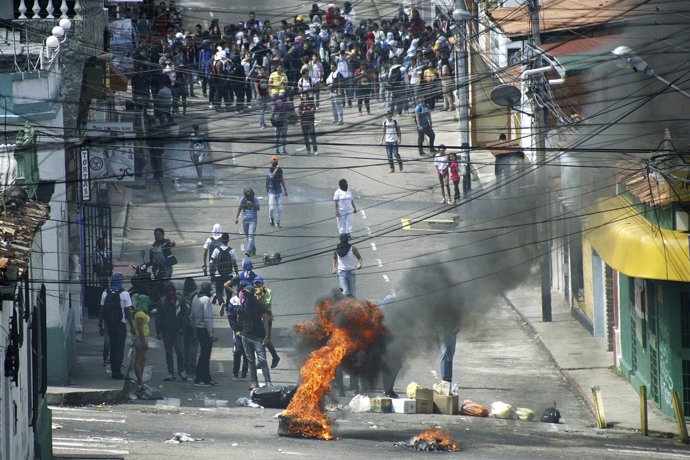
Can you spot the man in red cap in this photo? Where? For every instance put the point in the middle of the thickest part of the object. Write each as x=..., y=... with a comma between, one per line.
x=275, y=185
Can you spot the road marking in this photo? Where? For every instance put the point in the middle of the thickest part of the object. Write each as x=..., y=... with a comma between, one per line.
x=368, y=231
x=168, y=402
x=79, y=419
x=373, y=246
x=215, y=403
x=392, y=291
x=364, y=215
x=648, y=452
x=301, y=149
x=86, y=449
x=380, y=262
x=386, y=279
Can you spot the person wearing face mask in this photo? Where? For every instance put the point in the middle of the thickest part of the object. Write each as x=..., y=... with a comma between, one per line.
x=345, y=208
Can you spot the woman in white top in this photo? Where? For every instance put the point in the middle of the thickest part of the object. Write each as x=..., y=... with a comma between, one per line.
x=345, y=208
x=441, y=164
x=316, y=75
x=346, y=259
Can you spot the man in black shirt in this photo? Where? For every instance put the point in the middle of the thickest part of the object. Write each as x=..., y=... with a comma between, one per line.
x=254, y=320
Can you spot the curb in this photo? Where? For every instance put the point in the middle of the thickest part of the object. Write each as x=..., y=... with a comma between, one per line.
x=84, y=398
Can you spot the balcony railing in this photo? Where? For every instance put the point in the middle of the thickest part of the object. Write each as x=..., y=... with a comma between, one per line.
x=52, y=9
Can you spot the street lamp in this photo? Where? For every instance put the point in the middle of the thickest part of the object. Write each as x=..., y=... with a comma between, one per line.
x=640, y=65
x=53, y=41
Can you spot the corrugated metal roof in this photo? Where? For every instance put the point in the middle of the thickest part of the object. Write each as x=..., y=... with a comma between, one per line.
x=558, y=15
x=17, y=230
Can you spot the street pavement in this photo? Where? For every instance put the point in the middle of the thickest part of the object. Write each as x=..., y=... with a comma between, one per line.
x=510, y=355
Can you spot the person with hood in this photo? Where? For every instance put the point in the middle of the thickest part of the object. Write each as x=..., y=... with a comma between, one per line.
x=169, y=329
x=346, y=259
x=239, y=360
x=345, y=208
x=202, y=319
x=117, y=327
x=249, y=208
x=189, y=340
x=211, y=243
x=161, y=258
x=254, y=321
x=275, y=186
x=336, y=84
x=223, y=266
x=205, y=58
x=140, y=340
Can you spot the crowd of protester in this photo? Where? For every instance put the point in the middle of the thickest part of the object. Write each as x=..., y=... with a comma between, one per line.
x=395, y=61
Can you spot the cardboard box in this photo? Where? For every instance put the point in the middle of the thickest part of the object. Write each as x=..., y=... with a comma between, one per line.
x=446, y=404
x=425, y=401
x=404, y=406
x=442, y=388
x=384, y=405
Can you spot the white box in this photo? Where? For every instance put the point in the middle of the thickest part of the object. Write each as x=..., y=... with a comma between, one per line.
x=404, y=406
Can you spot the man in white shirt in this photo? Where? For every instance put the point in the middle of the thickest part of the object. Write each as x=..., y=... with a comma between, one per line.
x=391, y=137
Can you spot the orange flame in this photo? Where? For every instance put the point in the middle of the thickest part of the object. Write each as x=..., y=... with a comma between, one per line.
x=439, y=437
x=350, y=326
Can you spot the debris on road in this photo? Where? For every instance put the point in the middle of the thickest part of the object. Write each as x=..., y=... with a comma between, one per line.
x=433, y=439
x=502, y=410
x=179, y=437
x=246, y=402
x=551, y=415
x=473, y=409
x=360, y=403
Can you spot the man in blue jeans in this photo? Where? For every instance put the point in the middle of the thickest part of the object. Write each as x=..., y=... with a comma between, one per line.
x=447, y=338
x=422, y=116
x=254, y=321
x=249, y=208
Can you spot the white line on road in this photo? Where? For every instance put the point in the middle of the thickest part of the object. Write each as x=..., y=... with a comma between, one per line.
x=168, y=402
x=392, y=291
x=301, y=149
x=380, y=262
x=79, y=419
x=90, y=439
x=386, y=279
x=373, y=246
x=368, y=231
x=364, y=215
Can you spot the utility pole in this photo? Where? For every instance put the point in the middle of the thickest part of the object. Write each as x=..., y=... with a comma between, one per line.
x=537, y=81
x=460, y=17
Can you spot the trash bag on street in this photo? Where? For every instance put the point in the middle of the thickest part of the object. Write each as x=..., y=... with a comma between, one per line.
x=411, y=390
x=360, y=403
x=524, y=413
x=246, y=402
x=551, y=415
x=499, y=409
x=473, y=409
x=182, y=437
x=149, y=393
x=273, y=396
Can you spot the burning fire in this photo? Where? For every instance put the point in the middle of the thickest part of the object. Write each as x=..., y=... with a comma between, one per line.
x=348, y=326
x=434, y=438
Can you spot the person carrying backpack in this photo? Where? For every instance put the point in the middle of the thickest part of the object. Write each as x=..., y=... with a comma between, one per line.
x=223, y=266
x=396, y=87
x=212, y=242
x=161, y=259
x=116, y=313
x=391, y=137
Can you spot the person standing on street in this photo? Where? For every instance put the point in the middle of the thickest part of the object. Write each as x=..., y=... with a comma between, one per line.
x=447, y=337
x=161, y=259
x=441, y=165
x=116, y=311
x=336, y=83
x=169, y=329
x=254, y=321
x=392, y=138
x=198, y=149
x=346, y=259
x=211, y=243
x=316, y=75
x=454, y=168
x=262, y=96
x=345, y=208
x=239, y=360
x=140, y=340
x=277, y=81
x=202, y=319
x=307, y=113
x=275, y=186
x=223, y=265
x=264, y=294
x=190, y=342
x=280, y=119
x=249, y=208
x=422, y=116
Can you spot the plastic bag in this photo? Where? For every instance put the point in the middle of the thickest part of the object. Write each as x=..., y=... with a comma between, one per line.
x=360, y=403
x=473, y=409
x=148, y=372
x=499, y=409
x=524, y=413
x=411, y=390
